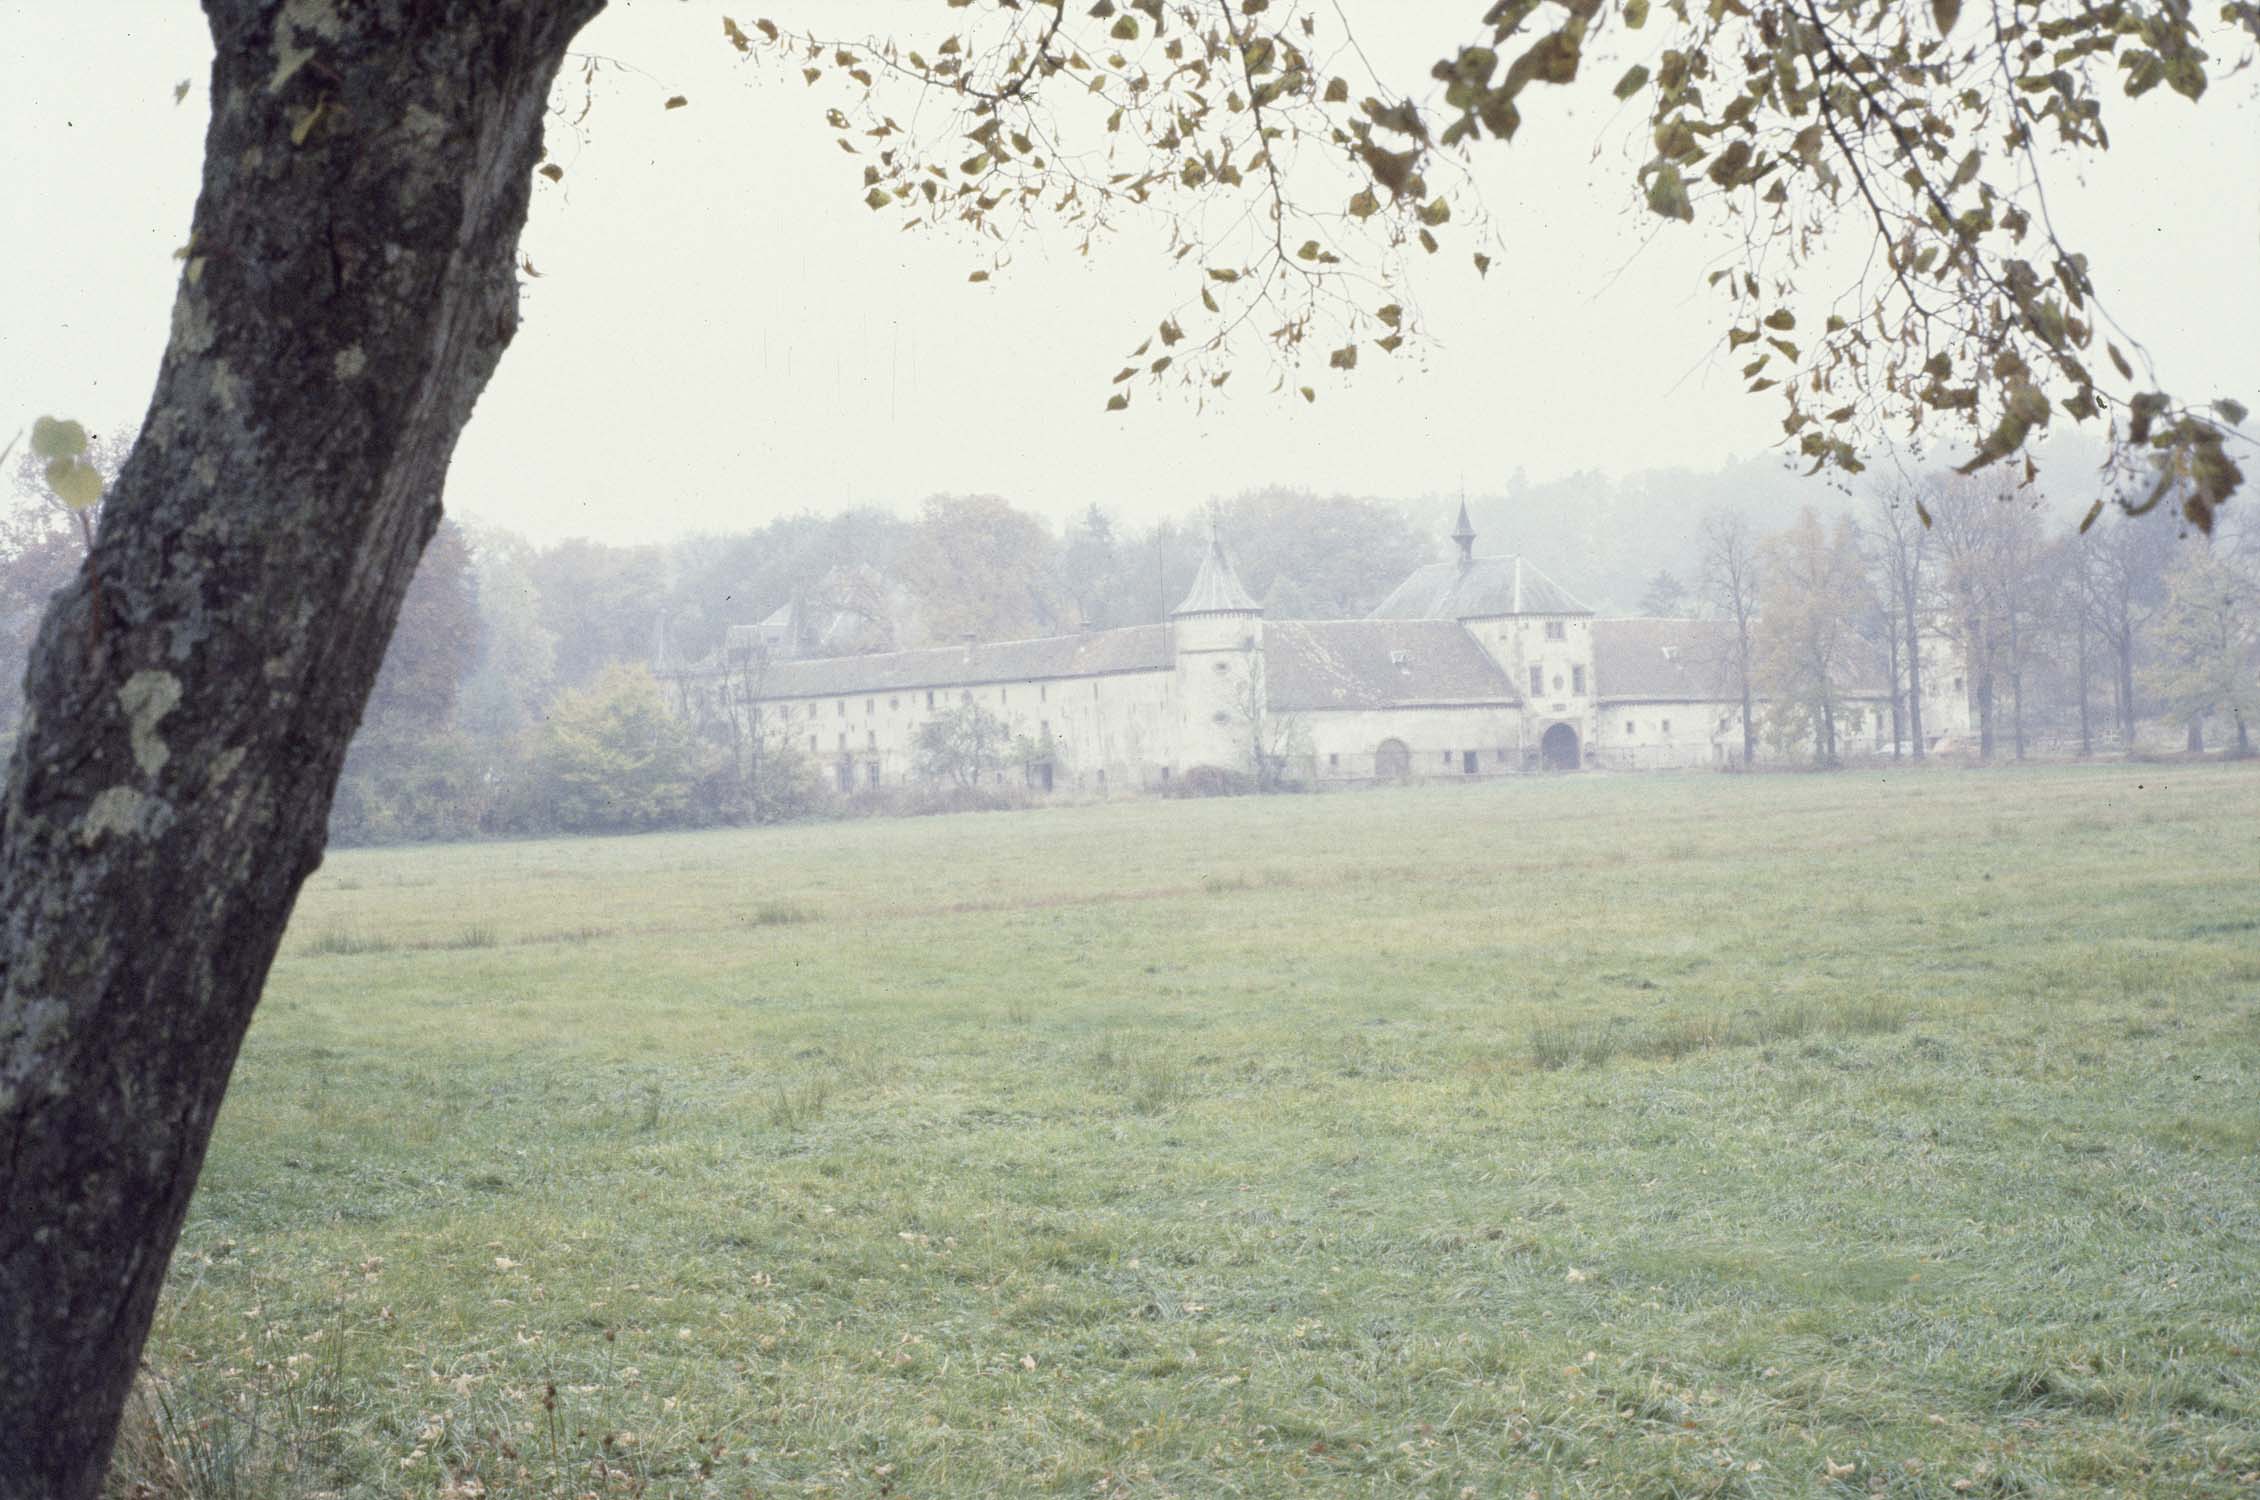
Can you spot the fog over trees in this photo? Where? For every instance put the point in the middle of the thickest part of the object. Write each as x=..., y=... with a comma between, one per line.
x=518, y=695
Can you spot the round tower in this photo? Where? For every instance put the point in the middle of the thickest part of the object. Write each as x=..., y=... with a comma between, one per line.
x=1217, y=638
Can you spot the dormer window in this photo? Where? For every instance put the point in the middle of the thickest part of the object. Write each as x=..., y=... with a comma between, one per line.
x=1556, y=630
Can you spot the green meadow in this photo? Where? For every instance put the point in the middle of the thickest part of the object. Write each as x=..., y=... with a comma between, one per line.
x=1874, y=1133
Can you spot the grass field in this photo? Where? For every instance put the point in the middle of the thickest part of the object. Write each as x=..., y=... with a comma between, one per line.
x=1646, y=1136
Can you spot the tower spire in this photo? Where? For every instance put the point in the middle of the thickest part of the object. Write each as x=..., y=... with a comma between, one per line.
x=1216, y=588
x=1464, y=534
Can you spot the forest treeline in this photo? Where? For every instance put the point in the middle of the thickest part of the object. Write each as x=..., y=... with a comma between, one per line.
x=519, y=695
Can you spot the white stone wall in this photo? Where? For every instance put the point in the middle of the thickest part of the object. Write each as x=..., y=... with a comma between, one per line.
x=1659, y=734
x=1115, y=731
x=1343, y=743
x=1654, y=735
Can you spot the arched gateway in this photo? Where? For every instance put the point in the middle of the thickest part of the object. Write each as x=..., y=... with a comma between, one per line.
x=1558, y=750
x=1392, y=760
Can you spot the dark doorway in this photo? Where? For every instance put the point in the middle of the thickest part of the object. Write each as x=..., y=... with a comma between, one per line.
x=1467, y=762
x=1392, y=760
x=1558, y=750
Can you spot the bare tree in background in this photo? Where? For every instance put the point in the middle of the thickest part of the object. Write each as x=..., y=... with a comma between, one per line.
x=1732, y=577
x=1899, y=541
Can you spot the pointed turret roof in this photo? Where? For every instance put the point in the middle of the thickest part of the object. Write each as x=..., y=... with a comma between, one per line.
x=1216, y=588
x=1464, y=534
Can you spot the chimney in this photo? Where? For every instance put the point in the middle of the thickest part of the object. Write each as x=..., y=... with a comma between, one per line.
x=968, y=639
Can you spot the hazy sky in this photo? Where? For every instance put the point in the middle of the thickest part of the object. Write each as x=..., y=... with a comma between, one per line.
x=722, y=333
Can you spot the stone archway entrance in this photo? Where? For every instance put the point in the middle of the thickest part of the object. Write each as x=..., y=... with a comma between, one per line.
x=1557, y=751
x=1392, y=760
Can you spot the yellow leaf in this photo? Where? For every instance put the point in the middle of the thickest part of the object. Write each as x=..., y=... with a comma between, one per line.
x=1117, y=401
x=54, y=437
x=553, y=171
x=677, y=102
x=75, y=482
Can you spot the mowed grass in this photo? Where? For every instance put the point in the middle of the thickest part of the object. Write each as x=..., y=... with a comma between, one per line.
x=1872, y=1133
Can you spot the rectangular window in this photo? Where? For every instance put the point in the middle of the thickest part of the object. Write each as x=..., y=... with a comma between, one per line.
x=871, y=740
x=812, y=744
x=1043, y=693
x=1628, y=727
x=1000, y=697
x=1667, y=726
x=843, y=743
x=871, y=774
x=1165, y=773
x=1554, y=630
x=1044, y=730
x=1537, y=680
x=929, y=697
x=1467, y=762
x=893, y=704
x=1102, y=776
x=1447, y=757
x=1577, y=680
x=870, y=706
x=843, y=708
x=1333, y=760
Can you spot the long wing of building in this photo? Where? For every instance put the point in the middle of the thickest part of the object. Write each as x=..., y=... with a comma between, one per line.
x=1475, y=666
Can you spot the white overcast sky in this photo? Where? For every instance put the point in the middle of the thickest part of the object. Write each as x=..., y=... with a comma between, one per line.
x=722, y=333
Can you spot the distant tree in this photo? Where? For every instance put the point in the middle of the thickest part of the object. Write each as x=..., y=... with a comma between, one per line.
x=980, y=567
x=1992, y=568
x=2121, y=575
x=1327, y=557
x=1665, y=596
x=1899, y=548
x=612, y=758
x=716, y=582
x=2208, y=644
x=1090, y=570
x=601, y=604
x=433, y=648
x=1733, y=579
x=515, y=670
x=965, y=745
x=1809, y=642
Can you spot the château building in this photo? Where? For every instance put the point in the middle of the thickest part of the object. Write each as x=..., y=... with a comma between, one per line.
x=1477, y=666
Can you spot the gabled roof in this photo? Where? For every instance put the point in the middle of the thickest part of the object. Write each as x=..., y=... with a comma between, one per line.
x=1320, y=664
x=1481, y=588
x=1216, y=588
x=1670, y=660
x=1664, y=660
x=1134, y=648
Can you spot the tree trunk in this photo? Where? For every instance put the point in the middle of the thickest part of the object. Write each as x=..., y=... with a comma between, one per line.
x=1914, y=676
x=349, y=287
x=2125, y=647
x=1749, y=707
x=1898, y=717
x=2087, y=727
